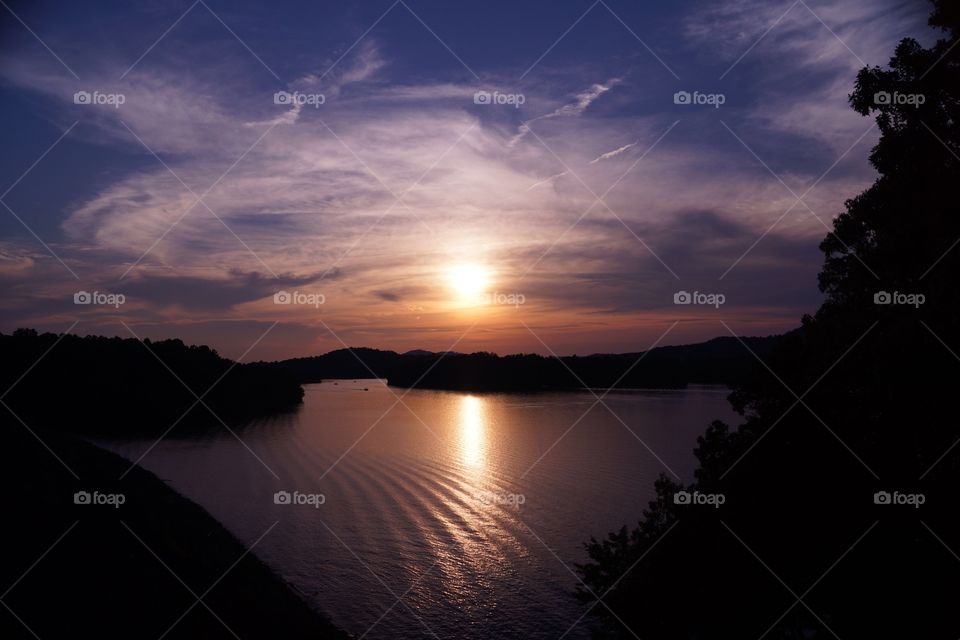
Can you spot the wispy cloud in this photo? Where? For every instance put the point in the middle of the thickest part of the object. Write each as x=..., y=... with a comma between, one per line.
x=363, y=65
x=580, y=104
x=548, y=180
x=819, y=46
x=614, y=153
x=316, y=198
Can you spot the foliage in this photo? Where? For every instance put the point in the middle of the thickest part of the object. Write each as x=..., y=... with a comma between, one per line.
x=800, y=549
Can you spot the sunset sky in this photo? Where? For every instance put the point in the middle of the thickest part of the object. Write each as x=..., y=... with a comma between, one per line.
x=418, y=217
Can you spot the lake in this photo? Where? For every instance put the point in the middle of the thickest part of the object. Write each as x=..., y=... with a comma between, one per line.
x=445, y=514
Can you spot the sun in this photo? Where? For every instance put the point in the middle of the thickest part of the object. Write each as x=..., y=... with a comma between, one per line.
x=468, y=281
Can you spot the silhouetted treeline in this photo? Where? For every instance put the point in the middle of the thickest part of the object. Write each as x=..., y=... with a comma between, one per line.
x=718, y=361
x=124, y=386
x=840, y=517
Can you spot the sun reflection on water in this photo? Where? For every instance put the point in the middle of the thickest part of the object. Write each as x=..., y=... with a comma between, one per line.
x=473, y=432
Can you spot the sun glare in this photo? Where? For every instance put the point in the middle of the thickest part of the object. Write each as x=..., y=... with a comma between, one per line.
x=469, y=281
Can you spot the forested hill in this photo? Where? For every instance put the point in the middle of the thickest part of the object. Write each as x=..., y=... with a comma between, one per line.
x=722, y=360
x=122, y=386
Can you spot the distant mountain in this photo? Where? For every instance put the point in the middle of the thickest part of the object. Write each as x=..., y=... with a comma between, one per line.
x=419, y=352
x=723, y=360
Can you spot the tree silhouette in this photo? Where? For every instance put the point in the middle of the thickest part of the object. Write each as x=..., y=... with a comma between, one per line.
x=858, y=401
x=125, y=387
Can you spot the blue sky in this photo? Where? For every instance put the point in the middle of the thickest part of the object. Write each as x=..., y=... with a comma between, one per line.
x=595, y=200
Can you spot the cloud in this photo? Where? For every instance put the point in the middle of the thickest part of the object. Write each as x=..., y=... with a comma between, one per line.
x=314, y=201
x=389, y=296
x=303, y=200
x=362, y=65
x=614, y=153
x=585, y=98
x=802, y=60
x=214, y=293
x=547, y=180
x=290, y=116
x=14, y=261
x=582, y=100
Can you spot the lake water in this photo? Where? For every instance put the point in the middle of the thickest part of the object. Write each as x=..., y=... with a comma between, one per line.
x=448, y=515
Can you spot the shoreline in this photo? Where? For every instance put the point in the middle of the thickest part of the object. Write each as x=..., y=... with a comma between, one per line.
x=148, y=559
